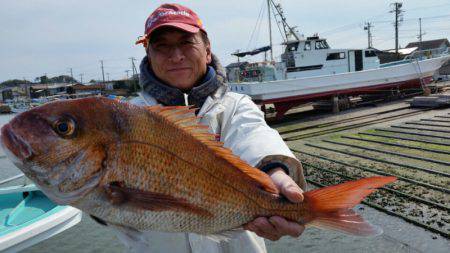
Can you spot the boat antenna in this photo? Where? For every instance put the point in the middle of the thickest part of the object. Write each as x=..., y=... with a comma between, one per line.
x=286, y=26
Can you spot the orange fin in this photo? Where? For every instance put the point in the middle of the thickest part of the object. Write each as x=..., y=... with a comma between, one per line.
x=118, y=194
x=348, y=222
x=184, y=118
x=331, y=206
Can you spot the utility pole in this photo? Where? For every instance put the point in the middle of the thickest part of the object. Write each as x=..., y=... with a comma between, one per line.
x=270, y=29
x=369, y=34
x=420, y=34
x=103, y=71
x=398, y=18
x=133, y=66
x=108, y=76
x=71, y=75
x=81, y=78
x=127, y=72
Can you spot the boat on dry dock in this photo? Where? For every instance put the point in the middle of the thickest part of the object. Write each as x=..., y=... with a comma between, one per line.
x=311, y=70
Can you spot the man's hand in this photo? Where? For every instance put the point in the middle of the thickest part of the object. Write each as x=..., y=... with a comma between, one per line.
x=275, y=227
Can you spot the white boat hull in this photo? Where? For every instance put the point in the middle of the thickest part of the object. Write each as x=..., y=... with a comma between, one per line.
x=40, y=231
x=36, y=229
x=294, y=89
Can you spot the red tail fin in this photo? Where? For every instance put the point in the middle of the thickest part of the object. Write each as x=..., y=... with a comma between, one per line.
x=331, y=206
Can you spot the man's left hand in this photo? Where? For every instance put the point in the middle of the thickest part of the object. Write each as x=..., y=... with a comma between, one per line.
x=275, y=227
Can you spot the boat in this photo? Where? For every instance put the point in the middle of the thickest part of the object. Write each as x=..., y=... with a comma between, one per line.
x=310, y=70
x=19, y=106
x=28, y=217
x=4, y=108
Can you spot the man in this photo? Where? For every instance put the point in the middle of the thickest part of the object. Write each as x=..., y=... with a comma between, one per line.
x=179, y=69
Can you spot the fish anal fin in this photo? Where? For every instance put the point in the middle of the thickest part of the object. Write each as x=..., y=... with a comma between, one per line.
x=348, y=222
x=118, y=194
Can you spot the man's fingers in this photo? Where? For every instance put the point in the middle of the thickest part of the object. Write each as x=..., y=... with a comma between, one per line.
x=291, y=190
x=272, y=237
x=285, y=227
x=286, y=185
x=262, y=227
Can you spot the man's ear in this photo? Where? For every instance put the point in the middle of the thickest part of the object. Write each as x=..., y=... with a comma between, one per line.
x=208, y=54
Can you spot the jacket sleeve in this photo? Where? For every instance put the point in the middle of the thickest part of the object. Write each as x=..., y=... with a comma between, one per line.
x=247, y=134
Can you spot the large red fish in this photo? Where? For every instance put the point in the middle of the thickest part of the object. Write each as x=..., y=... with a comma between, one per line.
x=157, y=168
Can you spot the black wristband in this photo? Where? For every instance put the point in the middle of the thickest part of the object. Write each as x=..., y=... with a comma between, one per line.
x=274, y=165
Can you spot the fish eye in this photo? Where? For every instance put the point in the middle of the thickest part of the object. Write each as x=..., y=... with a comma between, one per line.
x=65, y=127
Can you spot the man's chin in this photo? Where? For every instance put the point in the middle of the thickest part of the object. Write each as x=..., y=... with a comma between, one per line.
x=181, y=84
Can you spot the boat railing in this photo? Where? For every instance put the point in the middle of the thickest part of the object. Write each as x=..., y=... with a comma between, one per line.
x=418, y=56
x=427, y=54
x=14, y=178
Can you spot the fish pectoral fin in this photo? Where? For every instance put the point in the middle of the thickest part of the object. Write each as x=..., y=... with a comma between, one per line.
x=117, y=193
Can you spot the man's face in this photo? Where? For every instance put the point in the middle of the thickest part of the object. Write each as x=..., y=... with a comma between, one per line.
x=178, y=58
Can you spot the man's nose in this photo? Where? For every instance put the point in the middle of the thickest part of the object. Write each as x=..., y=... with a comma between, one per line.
x=177, y=54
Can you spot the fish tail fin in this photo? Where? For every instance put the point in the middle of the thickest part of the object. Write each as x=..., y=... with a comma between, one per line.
x=331, y=206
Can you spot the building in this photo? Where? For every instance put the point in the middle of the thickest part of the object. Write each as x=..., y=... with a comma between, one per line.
x=45, y=90
x=94, y=89
x=428, y=45
x=6, y=94
x=419, y=49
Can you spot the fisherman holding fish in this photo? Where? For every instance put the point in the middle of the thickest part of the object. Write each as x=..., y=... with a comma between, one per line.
x=185, y=165
x=180, y=69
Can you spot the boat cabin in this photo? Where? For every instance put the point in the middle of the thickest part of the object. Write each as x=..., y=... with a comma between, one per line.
x=313, y=57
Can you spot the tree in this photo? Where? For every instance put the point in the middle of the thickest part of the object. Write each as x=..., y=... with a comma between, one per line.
x=63, y=79
x=13, y=83
x=43, y=79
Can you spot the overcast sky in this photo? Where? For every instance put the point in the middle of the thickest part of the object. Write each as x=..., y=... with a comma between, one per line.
x=51, y=36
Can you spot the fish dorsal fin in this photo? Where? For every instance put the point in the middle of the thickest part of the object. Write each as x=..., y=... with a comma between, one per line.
x=184, y=118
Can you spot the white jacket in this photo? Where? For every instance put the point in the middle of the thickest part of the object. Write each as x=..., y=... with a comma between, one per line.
x=242, y=128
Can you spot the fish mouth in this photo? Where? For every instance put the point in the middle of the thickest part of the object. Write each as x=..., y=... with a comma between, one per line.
x=14, y=144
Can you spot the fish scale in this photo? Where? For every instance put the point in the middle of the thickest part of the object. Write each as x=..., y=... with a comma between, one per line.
x=157, y=168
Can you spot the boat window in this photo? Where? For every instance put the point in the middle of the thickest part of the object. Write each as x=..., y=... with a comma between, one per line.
x=321, y=44
x=336, y=56
x=370, y=53
x=292, y=47
x=307, y=45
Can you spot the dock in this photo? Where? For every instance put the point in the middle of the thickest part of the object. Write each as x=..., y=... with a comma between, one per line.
x=388, y=139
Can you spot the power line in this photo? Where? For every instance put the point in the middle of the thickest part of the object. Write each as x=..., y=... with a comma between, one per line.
x=412, y=19
x=257, y=24
x=427, y=7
